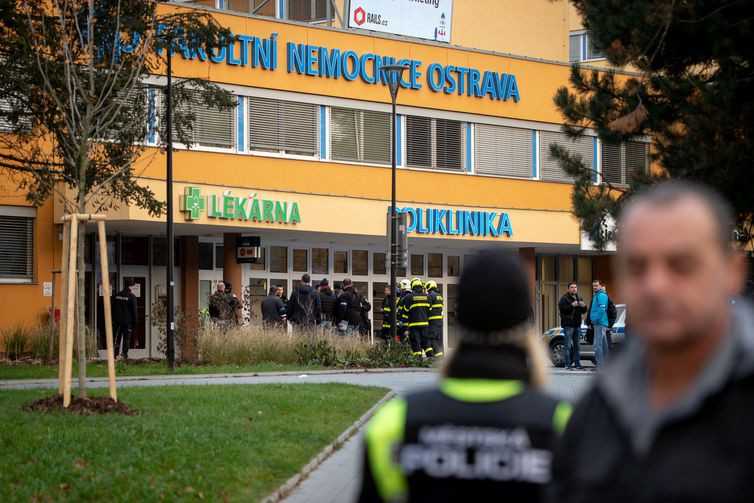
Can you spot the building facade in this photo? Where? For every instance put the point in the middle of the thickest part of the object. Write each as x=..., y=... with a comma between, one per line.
x=303, y=162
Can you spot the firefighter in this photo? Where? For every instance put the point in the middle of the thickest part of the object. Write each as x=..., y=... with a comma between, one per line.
x=415, y=314
x=388, y=304
x=487, y=431
x=402, y=332
x=434, y=344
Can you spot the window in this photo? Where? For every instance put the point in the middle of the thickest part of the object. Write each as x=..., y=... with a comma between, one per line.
x=282, y=126
x=621, y=161
x=309, y=10
x=320, y=261
x=417, y=265
x=219, y=256
x=550, y=167
x=206, y=259
x=16, y=244
x=360, y=262
x=379, y=264
x=581, y=47
x=257, y=7
x=454, y=265
x=135, y=251
x=300, y=260
x=341, y=262
x=360, y=135
x=434, y=265
x=434, y=143
x=278, y=259
x=259, y=265
x=211, y=127
x=12, y=118
x=503, y=151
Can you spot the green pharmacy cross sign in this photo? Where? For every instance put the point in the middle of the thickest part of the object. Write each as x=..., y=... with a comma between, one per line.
x=230, y=207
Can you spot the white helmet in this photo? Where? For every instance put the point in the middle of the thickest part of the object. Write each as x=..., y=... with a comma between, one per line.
x=406, y=285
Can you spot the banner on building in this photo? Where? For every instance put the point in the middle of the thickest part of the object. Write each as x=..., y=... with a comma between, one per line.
x=429, y=19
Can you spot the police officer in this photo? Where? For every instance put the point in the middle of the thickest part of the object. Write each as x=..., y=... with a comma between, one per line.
x=434, y=333
x=415, y=315
x=487, y=432
x=125, y=315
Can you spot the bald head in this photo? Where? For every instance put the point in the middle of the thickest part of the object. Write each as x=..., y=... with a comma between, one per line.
x=676, y=267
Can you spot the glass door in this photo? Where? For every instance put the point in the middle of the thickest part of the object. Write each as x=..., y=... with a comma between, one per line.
x=138, y=345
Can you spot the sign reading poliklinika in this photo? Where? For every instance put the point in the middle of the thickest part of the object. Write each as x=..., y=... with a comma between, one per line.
x=226, y=206
x=458, y=222
x=329, y=63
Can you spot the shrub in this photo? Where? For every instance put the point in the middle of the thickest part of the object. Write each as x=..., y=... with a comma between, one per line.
x=16, y=340
x=254, y=344
x=43, y=344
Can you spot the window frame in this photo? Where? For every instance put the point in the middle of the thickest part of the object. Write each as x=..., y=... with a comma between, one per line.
x=435, y=144
x=29, y=214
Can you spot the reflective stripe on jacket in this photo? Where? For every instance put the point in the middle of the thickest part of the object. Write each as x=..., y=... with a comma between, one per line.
x=415, y=310
x=435, y=308
x=469, y=440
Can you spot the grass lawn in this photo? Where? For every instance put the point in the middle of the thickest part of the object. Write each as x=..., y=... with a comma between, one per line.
x=217, y=443
x=137, y=368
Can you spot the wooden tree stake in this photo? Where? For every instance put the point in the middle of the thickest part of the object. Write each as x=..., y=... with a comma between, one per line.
x=71, y=302
x=63, y=306
x=108, y=312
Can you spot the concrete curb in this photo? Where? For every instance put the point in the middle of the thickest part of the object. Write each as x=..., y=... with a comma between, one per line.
x=47, y=383
x=293, y=482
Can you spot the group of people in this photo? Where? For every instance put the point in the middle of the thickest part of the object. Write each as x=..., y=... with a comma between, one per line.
x=225, y=308
x=600, y=317
x=419, y=316
x=346, y=313
x=668, y=419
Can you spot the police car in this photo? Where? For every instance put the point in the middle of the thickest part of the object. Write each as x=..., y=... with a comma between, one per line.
x=555, y=340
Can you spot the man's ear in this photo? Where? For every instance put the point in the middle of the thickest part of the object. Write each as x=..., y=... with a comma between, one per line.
x=737, y=272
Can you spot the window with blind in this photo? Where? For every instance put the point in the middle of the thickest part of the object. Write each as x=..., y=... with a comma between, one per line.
x=11, y=119
x=503, y=151
x=211, y=127
x=282, y=126
x=434, y=143
x=360, y=135
x=16, y=246
x=621, y=161
x=133, y=110
x=550, y=169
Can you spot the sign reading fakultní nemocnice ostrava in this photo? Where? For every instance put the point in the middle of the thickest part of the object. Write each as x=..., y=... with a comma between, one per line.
x=249, y=208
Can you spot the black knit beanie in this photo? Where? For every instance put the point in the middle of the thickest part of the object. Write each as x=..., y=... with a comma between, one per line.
x=493, y=293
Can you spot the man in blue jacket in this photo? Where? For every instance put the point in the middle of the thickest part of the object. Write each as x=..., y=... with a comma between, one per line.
x=598, y=317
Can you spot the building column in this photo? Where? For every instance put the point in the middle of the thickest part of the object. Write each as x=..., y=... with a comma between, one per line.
x=231, y=268
x=190, y=296
x=529, y=262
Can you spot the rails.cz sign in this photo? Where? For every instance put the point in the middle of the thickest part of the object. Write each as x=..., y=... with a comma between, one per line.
x=429, y=19
x=450, y=222
x=227, y=206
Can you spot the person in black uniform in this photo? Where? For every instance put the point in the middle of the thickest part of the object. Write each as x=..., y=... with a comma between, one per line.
x=328, y=302
x=434, y=333
x=487, y=432
x=415, y=315
x=125, y=315
x=388, y=304
x=273, y=309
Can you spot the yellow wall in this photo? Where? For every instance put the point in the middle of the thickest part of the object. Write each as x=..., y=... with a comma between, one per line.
x=537, y=81
x=25, y=304
x=534, y=28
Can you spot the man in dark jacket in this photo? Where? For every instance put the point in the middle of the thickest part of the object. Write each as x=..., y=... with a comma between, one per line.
x=125, y=314
x=572, y=309
x=670, y=420
x=349, y=309
x=304, y=306
x=327, y=301
x=388, y=304
x=273, y=309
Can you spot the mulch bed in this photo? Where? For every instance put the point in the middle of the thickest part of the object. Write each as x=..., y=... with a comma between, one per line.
x=80, y=406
